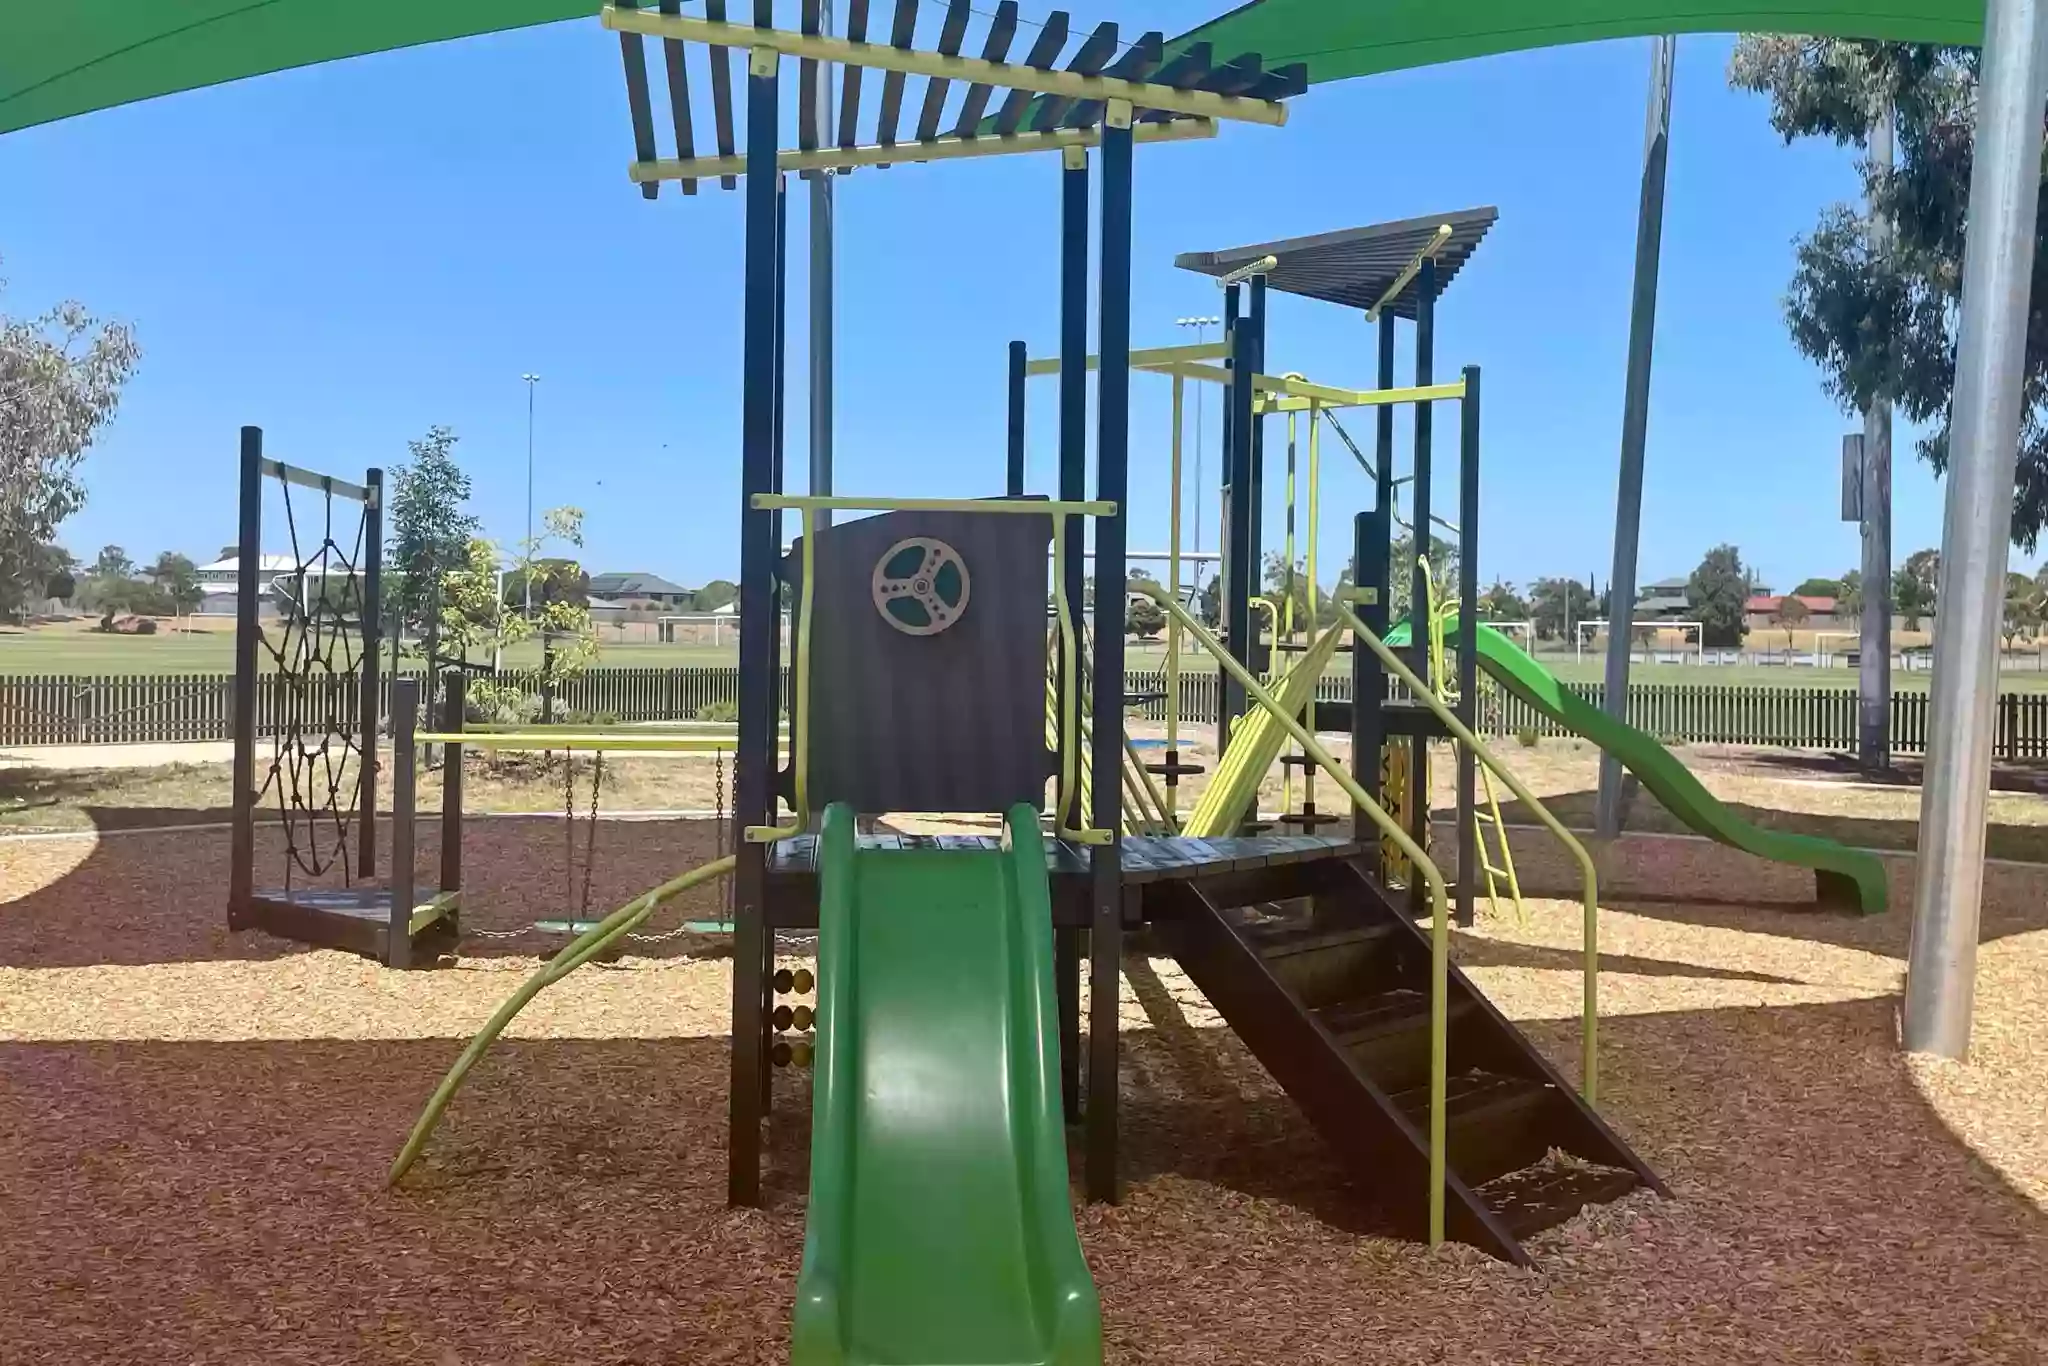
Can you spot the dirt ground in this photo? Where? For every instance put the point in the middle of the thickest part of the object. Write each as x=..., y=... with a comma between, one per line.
x=194, y=1128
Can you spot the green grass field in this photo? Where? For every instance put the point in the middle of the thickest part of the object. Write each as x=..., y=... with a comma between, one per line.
x=72, y=650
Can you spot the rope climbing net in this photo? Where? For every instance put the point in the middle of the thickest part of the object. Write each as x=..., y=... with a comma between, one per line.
x=315, y=649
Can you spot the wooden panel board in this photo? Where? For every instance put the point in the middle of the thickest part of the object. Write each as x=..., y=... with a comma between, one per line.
x=951, y=34
x=1002, y=30
x=1045, y=51
x=1093, y=54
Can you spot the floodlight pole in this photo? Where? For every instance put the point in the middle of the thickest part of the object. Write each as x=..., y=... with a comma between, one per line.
x=531, y=381
x=1635, y=422
x=1988, y=405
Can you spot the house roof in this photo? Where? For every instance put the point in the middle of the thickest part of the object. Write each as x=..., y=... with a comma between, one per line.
x=634, y=583
x=1814, y=602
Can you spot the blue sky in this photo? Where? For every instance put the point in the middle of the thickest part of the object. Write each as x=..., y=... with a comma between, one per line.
x=348, y=254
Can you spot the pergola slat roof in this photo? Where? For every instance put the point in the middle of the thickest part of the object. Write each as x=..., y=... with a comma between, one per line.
x=1045, y=104
x=1369, y=268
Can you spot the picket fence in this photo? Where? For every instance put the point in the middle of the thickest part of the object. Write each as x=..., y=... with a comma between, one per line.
x=75, y=709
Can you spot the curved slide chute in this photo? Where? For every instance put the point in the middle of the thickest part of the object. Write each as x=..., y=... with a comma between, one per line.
x=1846, y=878
x=940, y=1228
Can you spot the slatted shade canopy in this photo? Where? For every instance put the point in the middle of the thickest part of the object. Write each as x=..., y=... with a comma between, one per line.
x=1359, y=267
x=990, y=82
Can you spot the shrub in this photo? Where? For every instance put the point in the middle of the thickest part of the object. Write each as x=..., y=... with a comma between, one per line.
x=1527, y=737
x=719, y=711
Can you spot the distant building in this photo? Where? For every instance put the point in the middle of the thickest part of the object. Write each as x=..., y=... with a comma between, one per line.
x=274, y=574
x=1760, y=611
x=642, y=590
x=1664, y=600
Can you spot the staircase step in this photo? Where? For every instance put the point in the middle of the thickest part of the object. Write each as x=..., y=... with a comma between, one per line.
x=1493, y=1123
x=1388, y=1033
x=1550, y=1192
x=1284, y=939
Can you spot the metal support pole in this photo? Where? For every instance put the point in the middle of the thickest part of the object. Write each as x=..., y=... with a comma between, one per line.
x=1368, y=676
x=1874, y=654
x=1255, y=567
x=1468, y=640
x=405, y=715
x=1074, y=292
x=1239, y=515
x=758, y=693
x=1013, y=478
x=1112, y=484
x=1988, y=405
x=1635, y=422
x=1420, y=542
x=248, y=630
x=823, y=315
x=454, y=691
x=372, y=669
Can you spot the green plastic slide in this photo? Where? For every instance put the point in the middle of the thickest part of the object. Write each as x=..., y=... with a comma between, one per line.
x=940, y=1229
x=1851, y=879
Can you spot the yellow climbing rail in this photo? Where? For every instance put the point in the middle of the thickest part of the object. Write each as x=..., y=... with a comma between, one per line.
x=1589, y=1053
x=1440, y=925
x=1439, y=669
x=573, y=955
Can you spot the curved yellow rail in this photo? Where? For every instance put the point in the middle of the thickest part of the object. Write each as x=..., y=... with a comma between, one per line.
x=573, y=955
x=1440, y=925
x=1590, y=1007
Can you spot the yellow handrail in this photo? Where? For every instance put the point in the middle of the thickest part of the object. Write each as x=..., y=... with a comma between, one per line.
x=1440, y=928
x=1589, y=1046
x=1016, y=507
x=1070, y=693
x=800, y=814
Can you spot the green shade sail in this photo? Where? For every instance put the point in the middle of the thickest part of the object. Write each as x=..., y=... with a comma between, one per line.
x=64, y=57
x=1340, y=39
x=59, y=58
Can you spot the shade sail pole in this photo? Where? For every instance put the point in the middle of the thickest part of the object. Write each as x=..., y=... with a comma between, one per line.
x=1984, y=434
x=1635, y=421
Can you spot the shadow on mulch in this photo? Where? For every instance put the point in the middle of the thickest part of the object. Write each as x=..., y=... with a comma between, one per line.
x=2022, y=776
x=162, y=897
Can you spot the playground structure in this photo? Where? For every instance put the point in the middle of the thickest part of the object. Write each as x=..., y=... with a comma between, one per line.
x=929, y=620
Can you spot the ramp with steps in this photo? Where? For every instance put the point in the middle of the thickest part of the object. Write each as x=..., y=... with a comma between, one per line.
x=1327, y=983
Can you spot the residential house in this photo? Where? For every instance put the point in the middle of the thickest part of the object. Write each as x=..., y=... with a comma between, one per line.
x=642, y=590
x=274, y=576
x=1663, y=600
x=1760, y=613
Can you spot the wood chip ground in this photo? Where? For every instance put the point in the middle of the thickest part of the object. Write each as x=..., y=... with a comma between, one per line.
x=194, y=1128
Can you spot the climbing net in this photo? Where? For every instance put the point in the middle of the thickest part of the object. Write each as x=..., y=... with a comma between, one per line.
x=315, y=650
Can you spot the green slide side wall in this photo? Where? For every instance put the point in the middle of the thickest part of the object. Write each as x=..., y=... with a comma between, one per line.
x=940, y=1227
x=1849, y=878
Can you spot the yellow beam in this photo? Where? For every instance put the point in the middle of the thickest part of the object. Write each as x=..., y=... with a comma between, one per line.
x=1014, y=506
x=1145, y=358
x=1410, y=271
x=974, y=70
x=903, y=153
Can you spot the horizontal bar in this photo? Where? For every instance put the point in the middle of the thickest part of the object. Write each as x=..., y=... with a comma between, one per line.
x=1006, y=75
x=904, y=153
x=1265, y=265
x=1145, y=358
x=1027, y=506
x=320, y=483
x=621, y=744
x=1294, y=395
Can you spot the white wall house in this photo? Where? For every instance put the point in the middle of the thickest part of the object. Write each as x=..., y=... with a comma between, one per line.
x=217, y=584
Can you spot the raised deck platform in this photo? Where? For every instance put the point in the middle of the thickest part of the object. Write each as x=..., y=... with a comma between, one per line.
x=1145, y=859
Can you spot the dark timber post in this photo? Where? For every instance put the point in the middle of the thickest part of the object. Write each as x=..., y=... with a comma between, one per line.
x=1420, y=543
x=1013, y=474
x=1254, y=566
x=759, y=693
x=1368, y=675
x=1073, y=484
x=1375, y=559
x=372, y=699
x=1112, y=484
x=1238, y=574
x=453, y=692
x=405, y=713
x=1468, y=638
x=248, y=560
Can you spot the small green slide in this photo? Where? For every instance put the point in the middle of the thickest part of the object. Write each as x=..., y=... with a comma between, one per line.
x=940, y=1230
x=1850, y=879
